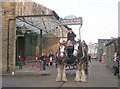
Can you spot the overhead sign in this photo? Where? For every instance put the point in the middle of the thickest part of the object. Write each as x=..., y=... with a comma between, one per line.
x=71, y=20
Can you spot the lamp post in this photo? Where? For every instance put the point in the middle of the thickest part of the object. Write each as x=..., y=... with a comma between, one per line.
x=23, y=30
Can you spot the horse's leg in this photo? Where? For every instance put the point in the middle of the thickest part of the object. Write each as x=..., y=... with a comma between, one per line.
x=59, y=76
x=83, y=76
x=64, y=73
x=77, y=77
x=86, y=68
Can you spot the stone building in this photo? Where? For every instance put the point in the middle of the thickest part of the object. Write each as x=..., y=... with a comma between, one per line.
x=107, y=48
x=111, y=47
x=0, y=37
x=15, y=14
x=101, y=50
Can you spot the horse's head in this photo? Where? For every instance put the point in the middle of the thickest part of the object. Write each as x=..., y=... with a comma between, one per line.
x=62, y=50
x=76, y=49
x=77, y=46
x=62, y=47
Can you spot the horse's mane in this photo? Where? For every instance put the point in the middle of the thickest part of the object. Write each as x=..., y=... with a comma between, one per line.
x=80, y=53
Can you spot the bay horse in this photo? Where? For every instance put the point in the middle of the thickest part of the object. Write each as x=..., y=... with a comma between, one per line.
x=71, y=55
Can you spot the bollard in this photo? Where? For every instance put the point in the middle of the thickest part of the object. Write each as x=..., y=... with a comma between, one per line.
x=13, y=72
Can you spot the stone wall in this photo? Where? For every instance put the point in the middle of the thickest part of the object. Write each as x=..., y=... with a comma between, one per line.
x=110, y=51
x=109, y=56
x=0, y=37
x=10, y=11
x=30, y=8
x=8, y=25
x=50, y=43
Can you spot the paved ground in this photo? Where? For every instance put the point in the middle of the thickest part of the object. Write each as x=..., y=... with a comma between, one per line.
x=99, y=76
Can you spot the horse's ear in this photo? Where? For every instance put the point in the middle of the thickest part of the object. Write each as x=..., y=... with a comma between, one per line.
x=59, y=48
x=79, y=46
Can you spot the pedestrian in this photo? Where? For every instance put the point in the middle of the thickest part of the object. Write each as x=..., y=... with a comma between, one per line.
x=89, y=57
x=21, y=60
x=51, y=57
x=47, y=60
x=100, y=58
x=71, y=36
x=43, y=58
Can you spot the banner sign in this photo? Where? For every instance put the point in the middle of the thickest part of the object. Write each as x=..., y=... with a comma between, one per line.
x=71, y=20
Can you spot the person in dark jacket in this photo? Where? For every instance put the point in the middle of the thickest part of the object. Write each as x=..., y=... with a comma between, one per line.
x=71, y=36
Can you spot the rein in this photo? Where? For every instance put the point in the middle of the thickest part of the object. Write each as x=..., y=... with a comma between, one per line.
x=63, y=55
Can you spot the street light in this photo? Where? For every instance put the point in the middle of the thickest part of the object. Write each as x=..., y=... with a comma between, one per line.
x=23, y=29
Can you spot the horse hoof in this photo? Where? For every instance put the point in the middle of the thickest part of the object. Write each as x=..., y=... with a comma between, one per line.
x=64, y=80
x=58, y=80
x=83, y=81
x=77, y=80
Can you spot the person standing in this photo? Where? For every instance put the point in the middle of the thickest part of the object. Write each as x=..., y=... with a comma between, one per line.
x=21, y=60
x=100, y=58
x=51, y=57
x=47, y=60
x=89, y=57
x=43, y=58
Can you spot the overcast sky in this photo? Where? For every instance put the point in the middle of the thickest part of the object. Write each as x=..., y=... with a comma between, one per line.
x=100, y=17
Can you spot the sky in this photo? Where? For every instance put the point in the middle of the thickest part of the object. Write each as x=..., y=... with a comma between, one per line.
x=100, y=17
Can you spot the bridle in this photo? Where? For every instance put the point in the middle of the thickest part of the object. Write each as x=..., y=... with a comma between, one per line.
x=76, y=49
x=62, y=51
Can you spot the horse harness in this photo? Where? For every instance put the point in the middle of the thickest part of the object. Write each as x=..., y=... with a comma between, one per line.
x=67, y=53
